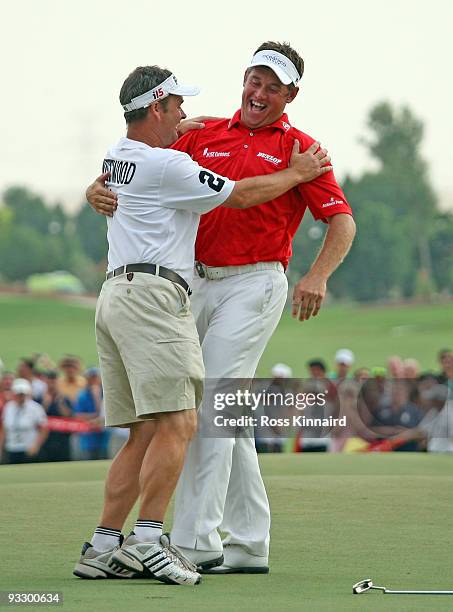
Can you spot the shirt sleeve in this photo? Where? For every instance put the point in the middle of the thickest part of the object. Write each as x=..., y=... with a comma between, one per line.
x=187, y=142
x=324, y=197
x=40, y=414
x=186, y=185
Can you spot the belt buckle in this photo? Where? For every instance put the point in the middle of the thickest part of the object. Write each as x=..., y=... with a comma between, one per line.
x=200, y=269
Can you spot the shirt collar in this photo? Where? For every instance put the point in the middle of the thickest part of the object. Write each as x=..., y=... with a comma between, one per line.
x=281, y=124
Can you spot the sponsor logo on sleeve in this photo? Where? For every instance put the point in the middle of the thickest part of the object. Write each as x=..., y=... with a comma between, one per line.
x=207, y=153
x=332, y=202
x=270, y=158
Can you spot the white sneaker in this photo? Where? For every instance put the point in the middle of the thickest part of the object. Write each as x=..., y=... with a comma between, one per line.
x=164, y=561
x=95, y=564
x=202, y=559
x=239, y=561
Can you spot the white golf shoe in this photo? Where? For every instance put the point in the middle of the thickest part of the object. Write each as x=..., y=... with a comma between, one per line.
x=239, y=561
x=202, y=559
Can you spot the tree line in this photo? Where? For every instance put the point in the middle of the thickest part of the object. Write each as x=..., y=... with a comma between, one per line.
x=403, y=247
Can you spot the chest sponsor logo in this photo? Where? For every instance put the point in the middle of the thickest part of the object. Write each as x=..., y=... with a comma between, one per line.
x=332, y=202
x=270, y=158
x=208, y=153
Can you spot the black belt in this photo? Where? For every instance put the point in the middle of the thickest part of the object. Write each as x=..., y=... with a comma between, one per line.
x=151, y=269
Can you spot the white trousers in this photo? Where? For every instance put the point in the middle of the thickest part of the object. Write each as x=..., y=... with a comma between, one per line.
x=221, y=486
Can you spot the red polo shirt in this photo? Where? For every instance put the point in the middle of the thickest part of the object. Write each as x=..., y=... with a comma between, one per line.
x=231, y=237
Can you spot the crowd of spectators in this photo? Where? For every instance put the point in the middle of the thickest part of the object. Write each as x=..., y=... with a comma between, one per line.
x=52, y=412
x=392, y=408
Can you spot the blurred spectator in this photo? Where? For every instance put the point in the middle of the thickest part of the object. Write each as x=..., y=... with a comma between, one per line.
x=372, y=392
x=436, y=427
x=93, y=445
x=281, y=371
x=315, y=438
x=411, y=369
x=24, y=425
x=57, y=445
x=443, y=357
x=396, y=412
x=426, y=381
x=26, y=370
x=71, y=382
x=319, y=383
x=344, y=359
x=348, y=393
x=361, y=374
x=395, y=367
x=271, y=439
x=6, y=394
x=317, y=369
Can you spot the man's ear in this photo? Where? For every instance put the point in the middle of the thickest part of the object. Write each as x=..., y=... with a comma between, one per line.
x=292, y=94
x=155, y=110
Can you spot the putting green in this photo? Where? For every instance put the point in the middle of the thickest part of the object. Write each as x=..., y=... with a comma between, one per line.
x=336, y=519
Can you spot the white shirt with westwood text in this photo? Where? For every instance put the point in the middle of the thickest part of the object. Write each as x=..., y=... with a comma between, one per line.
x=161, y=195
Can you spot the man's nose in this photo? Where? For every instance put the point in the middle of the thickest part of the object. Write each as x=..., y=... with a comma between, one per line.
x=260, y=92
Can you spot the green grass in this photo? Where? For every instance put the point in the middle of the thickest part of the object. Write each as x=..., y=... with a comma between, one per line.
x=336, y=520
x=30, y=325
x=373, y=333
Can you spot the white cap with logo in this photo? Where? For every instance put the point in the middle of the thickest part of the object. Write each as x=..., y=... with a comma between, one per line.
x=21, y=386
x=281, y=370
x=279, y=63
x=344, y=356
x=161, y=91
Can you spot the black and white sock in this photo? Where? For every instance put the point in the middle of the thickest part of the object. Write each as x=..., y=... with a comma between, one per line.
x=105, y=538
x=148, y=531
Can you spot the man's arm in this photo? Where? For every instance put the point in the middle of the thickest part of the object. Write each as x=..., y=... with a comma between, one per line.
x=42, y=437
x=310, y=291
x=304, y=167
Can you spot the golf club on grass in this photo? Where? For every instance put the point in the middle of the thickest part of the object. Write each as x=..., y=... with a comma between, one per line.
x=367, y=584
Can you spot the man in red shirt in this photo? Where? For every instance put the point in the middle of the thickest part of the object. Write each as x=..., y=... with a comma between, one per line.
x=239, y=293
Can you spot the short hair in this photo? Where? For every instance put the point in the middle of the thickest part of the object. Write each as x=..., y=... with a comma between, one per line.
x=141, y=80
x=285, y=49
x=317, y=363
x=28, y=361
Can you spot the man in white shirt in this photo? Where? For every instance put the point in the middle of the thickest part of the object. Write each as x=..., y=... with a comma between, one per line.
x=148, y=345
x=24, y=425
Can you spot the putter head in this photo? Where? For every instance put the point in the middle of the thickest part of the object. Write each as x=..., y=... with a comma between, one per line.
x=362, y=586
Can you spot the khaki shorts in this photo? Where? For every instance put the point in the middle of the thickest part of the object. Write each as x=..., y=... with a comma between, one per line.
x=148, y=346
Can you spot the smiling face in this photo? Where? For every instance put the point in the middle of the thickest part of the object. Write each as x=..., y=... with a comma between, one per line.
x=171, y=113
x=264, y=97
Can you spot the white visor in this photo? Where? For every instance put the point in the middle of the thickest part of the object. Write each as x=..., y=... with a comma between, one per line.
x=161, y=91
x=280, y=64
